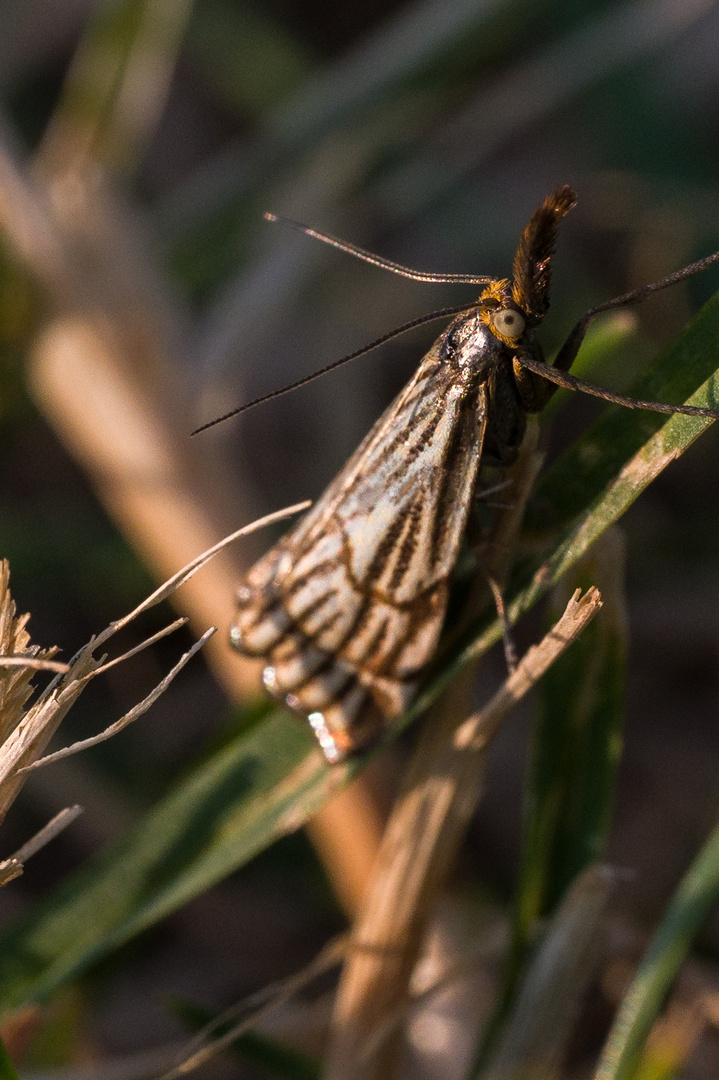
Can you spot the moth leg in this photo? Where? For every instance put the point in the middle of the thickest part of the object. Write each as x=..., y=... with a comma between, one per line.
x=558, y=373
x=534, y=391
x=476, y=529
x=510, y=649
x=568, y=352
x=494, y=489
x=476, y=540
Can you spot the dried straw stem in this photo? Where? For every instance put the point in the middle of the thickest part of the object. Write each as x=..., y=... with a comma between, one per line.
x=428, y=822
x=103, y=375
x=418, y=847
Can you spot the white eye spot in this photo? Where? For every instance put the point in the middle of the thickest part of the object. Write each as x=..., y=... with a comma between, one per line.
x=508, y=322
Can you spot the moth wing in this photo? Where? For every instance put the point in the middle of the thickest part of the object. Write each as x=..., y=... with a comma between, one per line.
x=347, y=608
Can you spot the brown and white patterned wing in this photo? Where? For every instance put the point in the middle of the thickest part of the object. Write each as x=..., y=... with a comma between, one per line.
x=347, y=608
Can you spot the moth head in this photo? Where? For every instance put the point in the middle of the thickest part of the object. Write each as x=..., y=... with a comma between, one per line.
x=499, y=312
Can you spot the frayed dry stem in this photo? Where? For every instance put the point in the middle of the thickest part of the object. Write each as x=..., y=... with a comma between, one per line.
x=9, y=870
x=15, y=677
x=48, y=832
x=75, y=681
x=14, y=866
x=172, y=584
x=31, y=663
x=479, y=729
x=165, y=632
x=28, y=733
x=24, y=732
x=420, y=841
x=129, y=717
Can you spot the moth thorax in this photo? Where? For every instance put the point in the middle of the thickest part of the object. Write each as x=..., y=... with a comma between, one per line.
x=477, y=346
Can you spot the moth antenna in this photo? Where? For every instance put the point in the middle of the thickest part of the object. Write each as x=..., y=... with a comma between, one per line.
x=568, y=352
x=443, y=314
x=377, y=260
x=571, y=382
x=637, y=295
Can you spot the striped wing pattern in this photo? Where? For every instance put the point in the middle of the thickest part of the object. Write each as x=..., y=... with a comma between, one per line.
x=347, y=608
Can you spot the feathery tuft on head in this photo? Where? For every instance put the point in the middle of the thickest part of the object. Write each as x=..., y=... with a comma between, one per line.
x=533, y=260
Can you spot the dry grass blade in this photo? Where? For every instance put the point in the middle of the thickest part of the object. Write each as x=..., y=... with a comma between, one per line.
x=15, y=676
x=48, y=832
x=172, y=584
x=256, y=1007
x=418, y=845
x=34, y=664
x=25, y=734
x=165, y=632
x=14, y=866
x=135, y=712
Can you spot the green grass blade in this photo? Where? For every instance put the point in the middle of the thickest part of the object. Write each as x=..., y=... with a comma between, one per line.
x=689, y=907
x=110, y=103
x=261, y=785
x=577, y=746
x=540, y=1025
x=575, y=753
x=7, y=1069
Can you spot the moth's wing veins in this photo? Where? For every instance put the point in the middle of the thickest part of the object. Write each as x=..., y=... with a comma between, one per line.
x=347, y=608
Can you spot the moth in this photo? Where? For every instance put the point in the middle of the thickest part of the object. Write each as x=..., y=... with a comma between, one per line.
x=346, y=610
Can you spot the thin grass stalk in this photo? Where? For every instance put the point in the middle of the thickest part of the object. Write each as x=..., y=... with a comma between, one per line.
x=576, y=748
x=690, y=905
x=534, y=1040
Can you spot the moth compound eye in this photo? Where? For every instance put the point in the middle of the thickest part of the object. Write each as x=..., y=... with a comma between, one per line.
x=508, y=322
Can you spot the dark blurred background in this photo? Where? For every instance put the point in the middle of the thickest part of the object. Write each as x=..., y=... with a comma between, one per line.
x=426, y=131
